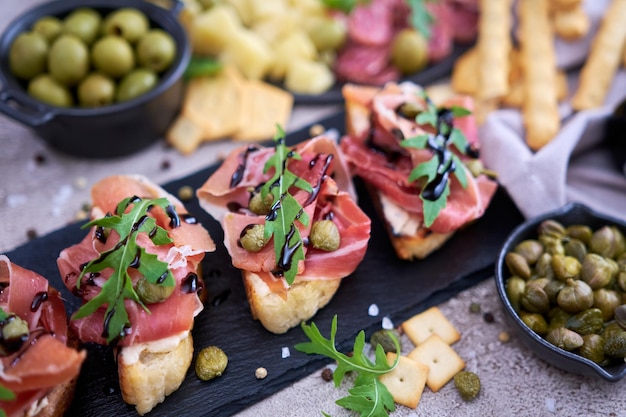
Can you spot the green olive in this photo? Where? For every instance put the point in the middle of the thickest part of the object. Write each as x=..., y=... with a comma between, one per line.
x=50, y=27
x=210, y=363
x=68, y=60
x=113, y=56
x=28, y=55
x=96, y=90
x=329, y=34
x=156, y=50
x=83, y=23
x=385, y=338
x=137, y=82
x=129, y=23
x=325, y=236
x=252, y=238
x=409, y=51
x=151, y=293
x=46, y=89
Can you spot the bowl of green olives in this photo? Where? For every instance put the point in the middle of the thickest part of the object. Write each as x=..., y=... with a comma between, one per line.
x=561, y=277
x=95, y=78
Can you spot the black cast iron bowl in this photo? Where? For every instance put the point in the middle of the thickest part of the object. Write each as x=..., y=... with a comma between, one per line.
x=105, y=132
x=572, y=213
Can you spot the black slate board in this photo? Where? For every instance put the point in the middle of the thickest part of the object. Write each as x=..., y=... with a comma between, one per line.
x=432, y=72
x=399, y=288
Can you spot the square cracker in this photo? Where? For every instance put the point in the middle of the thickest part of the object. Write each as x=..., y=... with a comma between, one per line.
x=262, y=107
x=440, y=358
x=407, y=381
x=421, y=326
x=184, y=134
x=214, y=103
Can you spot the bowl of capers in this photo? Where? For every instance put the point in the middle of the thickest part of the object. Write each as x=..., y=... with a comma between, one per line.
x=561, y=277
x=95, y=78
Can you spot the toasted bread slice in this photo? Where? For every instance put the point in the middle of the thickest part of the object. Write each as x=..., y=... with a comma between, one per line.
x=417, y=245
x=151, y=371
x=277, y=313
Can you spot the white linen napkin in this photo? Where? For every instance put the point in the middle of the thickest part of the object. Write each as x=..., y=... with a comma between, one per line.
x=574, y=166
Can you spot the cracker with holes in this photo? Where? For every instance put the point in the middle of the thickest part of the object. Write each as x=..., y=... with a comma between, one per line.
x=407, y=381
x=421, y=326
x=443, y=362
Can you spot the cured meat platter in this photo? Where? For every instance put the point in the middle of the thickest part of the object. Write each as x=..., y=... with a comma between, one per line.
x=433, y=72
x=400, y=289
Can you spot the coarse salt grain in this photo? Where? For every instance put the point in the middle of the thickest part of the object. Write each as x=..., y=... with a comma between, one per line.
x=551, y=405
x=285, y=352
x=387, y=323
x=373, y=310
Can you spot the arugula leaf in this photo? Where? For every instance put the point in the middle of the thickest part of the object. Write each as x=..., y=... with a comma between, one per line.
x=434, y=173
x=286, y=210
x=369, y=396
x=6, y=394
x=345, y=6
x=421, y=19
x=127, y=254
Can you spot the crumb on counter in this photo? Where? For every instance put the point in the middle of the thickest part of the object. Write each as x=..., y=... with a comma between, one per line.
x=260, y=373
x=185, y=193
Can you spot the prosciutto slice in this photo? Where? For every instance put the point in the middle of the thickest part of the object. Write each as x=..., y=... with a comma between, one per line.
x=227, y=202
x=44, y=360
x=376, y=156
x=190, y=243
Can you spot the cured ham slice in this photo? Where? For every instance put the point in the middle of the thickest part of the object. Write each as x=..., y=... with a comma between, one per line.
x=376, y=155
x=190, y=242
x=45, y=360
x=336, y=198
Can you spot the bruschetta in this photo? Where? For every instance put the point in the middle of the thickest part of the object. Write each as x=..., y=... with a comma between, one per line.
x=39, y=355
x=419, y=161
x=137, y=272
x=291, y=225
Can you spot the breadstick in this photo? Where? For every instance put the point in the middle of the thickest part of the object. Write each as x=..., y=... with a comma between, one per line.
x=540, y=109
x=494, y=46
x=571, y=24
x=604, y=58
x=564, y=4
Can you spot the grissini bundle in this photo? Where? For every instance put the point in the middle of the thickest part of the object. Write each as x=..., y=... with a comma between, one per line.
x=291, y=225
x=415, y=159
x=38, y=353
x=137, y=272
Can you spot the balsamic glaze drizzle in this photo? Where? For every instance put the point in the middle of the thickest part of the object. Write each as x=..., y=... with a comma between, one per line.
x=238, y=174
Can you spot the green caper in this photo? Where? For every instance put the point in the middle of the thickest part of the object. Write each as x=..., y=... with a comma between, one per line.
x=553, y=288
x=592, y=348
x=552, y=244
x=586, y=322
x=151, y=293
x=535, y=300
x=515, y=287
x=325, y=235
x=253, y=238
x=410, y=109
x=517, y=264
x=620, y=315
x=615, y=345
x=552, y=228
x=259, y=205
x=210, y=363
x=596, y=271
x=565, y=339
x=576, y=248
x=607, y=241
x=607, y=301
x=530, y=249
x=536, y=322
x=385, y=338
x=544, y=266
x=13, y=333
x=565, y=267
x=557, y=318
x=575, y=296
x=610, y=329
x=580, y=232
x=467, y=384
